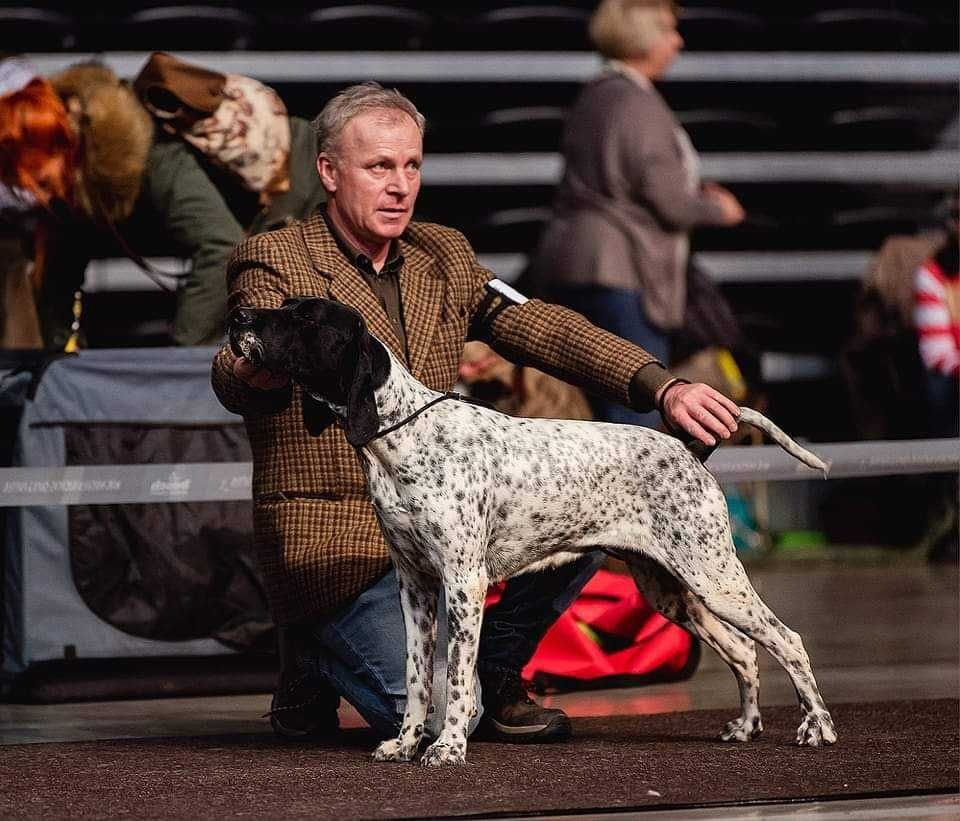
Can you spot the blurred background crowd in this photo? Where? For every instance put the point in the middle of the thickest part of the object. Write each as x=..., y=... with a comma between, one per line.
x=765, y=197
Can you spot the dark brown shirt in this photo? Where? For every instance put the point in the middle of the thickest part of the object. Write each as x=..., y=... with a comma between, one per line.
x=384, y=283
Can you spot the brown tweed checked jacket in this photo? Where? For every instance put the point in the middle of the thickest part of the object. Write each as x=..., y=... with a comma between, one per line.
x=317, y=540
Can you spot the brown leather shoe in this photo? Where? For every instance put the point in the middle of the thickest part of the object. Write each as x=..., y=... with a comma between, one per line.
x=510, y=716
x=304, y=709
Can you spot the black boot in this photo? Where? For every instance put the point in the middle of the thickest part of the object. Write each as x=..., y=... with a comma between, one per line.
x=304, y=709
x=510, y=716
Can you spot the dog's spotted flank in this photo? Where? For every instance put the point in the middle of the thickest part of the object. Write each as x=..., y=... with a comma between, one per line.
x=467, y=496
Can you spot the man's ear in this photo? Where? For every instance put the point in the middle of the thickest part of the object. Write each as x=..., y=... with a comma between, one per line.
x=317, y=417
x=362, y=420
x=327, y=172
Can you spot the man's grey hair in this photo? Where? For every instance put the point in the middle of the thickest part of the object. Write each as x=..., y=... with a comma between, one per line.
x=621, y=29
x=354, y=100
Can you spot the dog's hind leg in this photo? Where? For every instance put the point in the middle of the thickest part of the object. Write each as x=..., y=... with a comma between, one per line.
x=418, y=601
x=721, y=583
x=664, y=593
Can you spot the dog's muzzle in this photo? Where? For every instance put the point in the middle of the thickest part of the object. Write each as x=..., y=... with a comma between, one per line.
x=243, y=339
x=249, y=345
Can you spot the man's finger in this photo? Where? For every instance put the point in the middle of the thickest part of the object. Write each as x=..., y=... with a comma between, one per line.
x=721, y=412
x=732, y=407
x=709, y=421
x=686, y=421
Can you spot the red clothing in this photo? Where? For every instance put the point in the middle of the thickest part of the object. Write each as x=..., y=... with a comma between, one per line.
x=937, y=317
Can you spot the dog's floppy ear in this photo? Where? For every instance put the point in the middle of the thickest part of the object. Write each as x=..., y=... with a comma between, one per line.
x=317, y=417
x=362, y=420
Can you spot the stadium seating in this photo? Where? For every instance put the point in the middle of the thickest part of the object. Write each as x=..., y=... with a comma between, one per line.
x=757, y=82
x=720, y=28
x=187, y=27
x=864, y=29
x=524, y=27
x=349, y=26
x=38, y=29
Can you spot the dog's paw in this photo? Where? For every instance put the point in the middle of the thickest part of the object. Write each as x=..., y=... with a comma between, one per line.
x=742, y=729
x=442, y=755
x=395, y=749
x=816, y=730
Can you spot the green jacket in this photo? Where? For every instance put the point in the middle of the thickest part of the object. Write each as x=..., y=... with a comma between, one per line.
x=187, y=208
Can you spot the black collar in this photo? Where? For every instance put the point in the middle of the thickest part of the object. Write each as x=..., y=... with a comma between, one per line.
x=436, y=400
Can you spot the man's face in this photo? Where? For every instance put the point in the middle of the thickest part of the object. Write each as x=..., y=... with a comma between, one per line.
x=374, y=178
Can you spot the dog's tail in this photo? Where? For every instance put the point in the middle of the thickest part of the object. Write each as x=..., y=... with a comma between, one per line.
x=759, y=421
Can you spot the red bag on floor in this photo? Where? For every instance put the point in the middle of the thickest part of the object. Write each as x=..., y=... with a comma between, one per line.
x=609, y=637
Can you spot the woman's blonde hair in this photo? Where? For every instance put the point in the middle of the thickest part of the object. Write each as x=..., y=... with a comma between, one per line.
x=621, y=29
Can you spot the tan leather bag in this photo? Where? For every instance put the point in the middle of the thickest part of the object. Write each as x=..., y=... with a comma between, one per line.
x=237, y=122
x=177, y=93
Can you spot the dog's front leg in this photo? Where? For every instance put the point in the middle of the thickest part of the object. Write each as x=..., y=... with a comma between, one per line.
x=465, y=596
x=418, y=600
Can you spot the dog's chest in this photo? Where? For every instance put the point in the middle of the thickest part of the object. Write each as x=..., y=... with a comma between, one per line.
x=396, y=504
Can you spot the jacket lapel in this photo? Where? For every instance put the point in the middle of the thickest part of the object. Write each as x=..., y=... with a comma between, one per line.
x=346, y=283
x=421, y=293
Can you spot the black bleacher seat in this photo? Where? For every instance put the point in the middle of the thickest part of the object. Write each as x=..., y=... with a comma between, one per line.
x=27, y=28
x=713, y=129
x=113, y=319
x=781, y=216
x=348, y=27
x=762, y=228
x=187, y=27
x=944, y=34
x=890, y=127
x=863, y=29
x=510, y=229
x=868, y=226
x=821, y=216
x=804, y=113
x=534, y=128
x=722, y=29
x=543, y=27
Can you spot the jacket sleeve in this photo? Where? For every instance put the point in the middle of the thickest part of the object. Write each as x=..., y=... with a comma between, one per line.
x=255, y=279
x=646, y=138
x=196, y=218
x=562, y=343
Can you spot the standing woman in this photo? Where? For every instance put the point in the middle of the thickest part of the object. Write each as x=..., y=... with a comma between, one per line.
x=617, y=247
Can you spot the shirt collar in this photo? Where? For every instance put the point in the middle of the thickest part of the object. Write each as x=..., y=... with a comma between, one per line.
x=359, y=259
x=630, y=73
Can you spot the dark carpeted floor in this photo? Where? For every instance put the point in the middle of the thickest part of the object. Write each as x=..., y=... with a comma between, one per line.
x=612, y=763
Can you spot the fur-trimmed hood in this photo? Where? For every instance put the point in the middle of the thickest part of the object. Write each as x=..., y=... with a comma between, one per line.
x=116, y=133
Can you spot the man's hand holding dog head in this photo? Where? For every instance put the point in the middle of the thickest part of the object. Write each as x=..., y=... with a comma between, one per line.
x=259, y=378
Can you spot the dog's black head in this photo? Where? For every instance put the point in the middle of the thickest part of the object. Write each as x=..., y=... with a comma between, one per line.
x=324, y=346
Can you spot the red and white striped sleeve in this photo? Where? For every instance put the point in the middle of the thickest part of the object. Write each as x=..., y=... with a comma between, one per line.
x=936, y=328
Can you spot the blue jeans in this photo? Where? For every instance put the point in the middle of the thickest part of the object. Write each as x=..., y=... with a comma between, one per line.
x=361, y=652
x=620, y=312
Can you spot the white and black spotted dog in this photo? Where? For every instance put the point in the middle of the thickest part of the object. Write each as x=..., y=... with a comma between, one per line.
x=467, y=496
